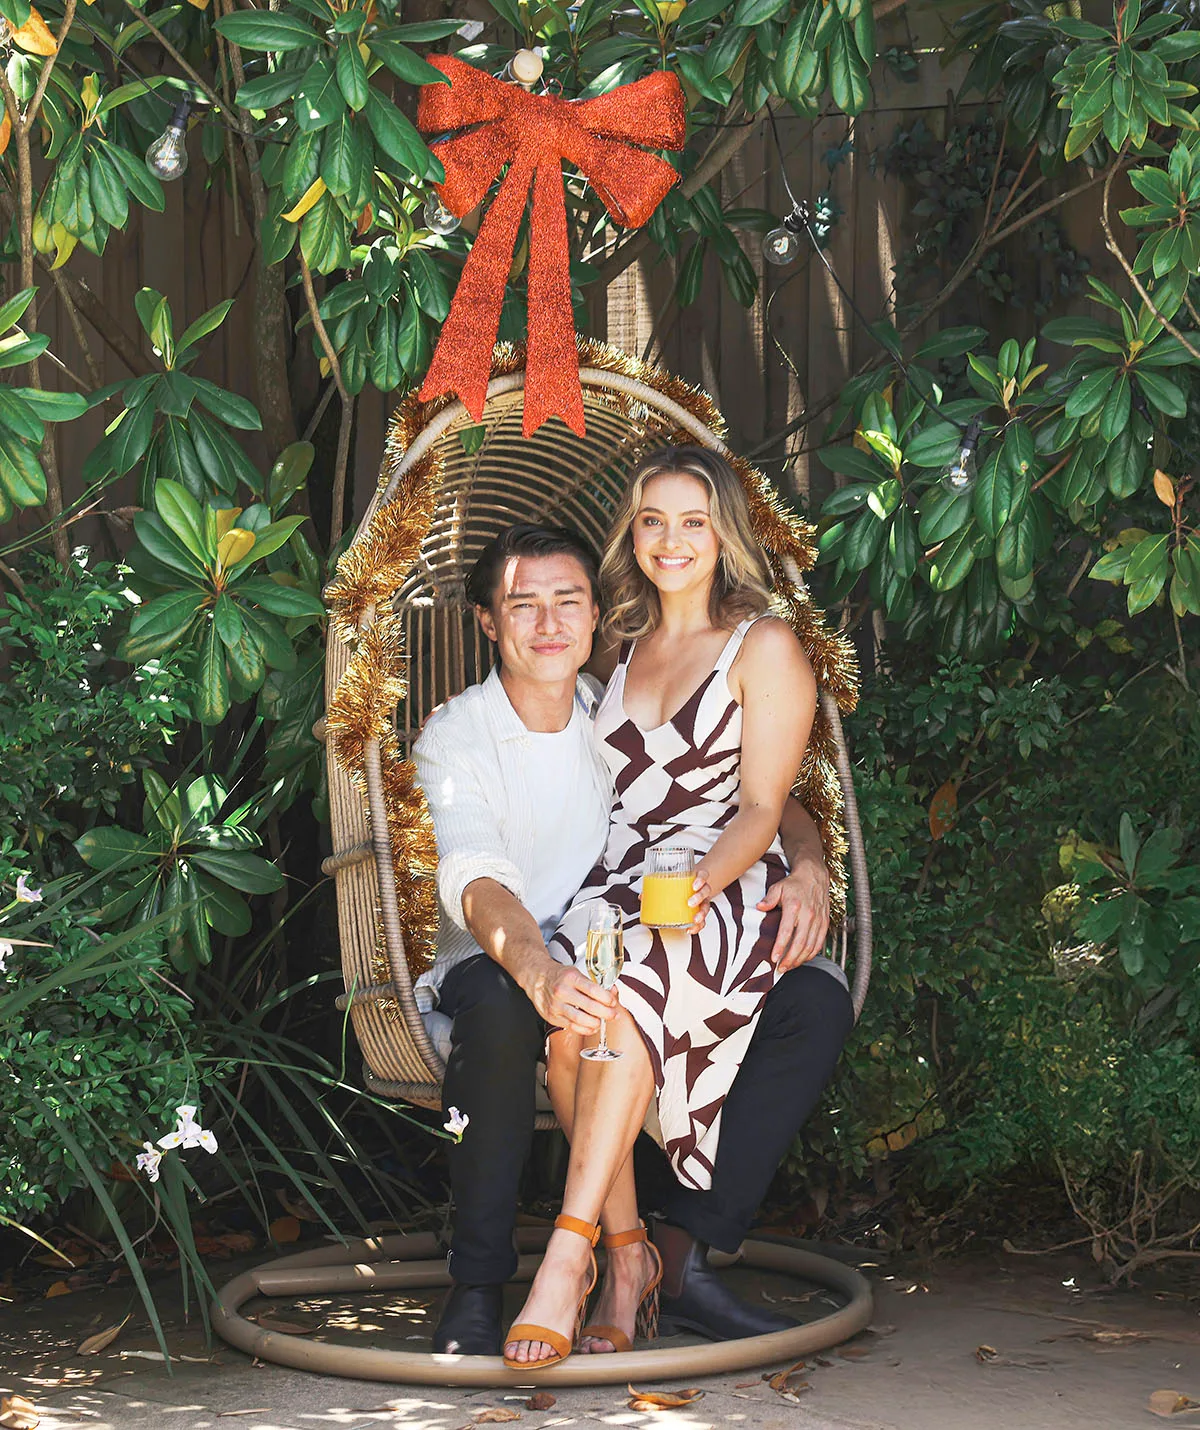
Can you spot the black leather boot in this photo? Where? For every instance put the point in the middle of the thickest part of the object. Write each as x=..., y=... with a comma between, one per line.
x=694, y=1298
x=470, y=1321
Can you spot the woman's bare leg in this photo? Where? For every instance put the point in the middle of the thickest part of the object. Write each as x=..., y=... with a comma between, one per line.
x=610, y=1106
x=628, y=1269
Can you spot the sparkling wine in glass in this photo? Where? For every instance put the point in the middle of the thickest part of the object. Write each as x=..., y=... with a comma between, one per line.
x=603, y=961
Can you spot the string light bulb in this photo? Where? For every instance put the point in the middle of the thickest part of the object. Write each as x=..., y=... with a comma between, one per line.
x=167, y=157
x=960, y=475
x=782, y=244
x=525, y=68
x=438, y=218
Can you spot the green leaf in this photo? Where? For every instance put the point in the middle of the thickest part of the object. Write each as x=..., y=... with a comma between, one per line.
x=323, y=237
x=227, y=619
x=153, y=534
x=319, y=99
x=1091, y=392
x=12, y=311
x=21, y=475
x=267, y=539
x=205, y=324
x=404, y=63
x=269, y=90
x=992, y=497
x=934, y=446
x=138, y=179
x=352, y=74
x=278, y=599
x=1161, y=392
x=1111, y=566
x=231, y=409
x=212, y=683
x=398, y=139
x=160, y=625
x=951, y=342
x=271, y=639
x=20, y=418
x=945, y=513
x=950, y=564
x=181, y=513
x=289, y=473
x=246, y=872
x=430, y=286
x=109, y=848
x=266, y=30
x=52, y=406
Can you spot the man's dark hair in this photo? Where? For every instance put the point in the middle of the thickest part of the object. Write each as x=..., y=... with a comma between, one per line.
x=525, y=539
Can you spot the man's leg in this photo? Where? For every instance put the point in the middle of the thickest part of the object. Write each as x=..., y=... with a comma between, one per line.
x=495, y=1046
x=805, y=1021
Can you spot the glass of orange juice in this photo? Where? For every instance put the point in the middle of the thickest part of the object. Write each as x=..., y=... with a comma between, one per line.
x=667, y=887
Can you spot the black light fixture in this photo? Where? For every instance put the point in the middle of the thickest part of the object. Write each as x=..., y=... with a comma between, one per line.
x=167, y=157
x=960, y=475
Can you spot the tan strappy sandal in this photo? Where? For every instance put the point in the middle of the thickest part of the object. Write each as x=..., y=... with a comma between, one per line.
x=646, y=1322
x=561, y=1346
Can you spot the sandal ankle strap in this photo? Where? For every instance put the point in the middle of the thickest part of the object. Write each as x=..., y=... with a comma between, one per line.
x=585, y=1229
x=626, y=1238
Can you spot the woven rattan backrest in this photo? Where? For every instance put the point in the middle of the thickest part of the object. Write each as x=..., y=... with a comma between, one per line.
x=492, y=476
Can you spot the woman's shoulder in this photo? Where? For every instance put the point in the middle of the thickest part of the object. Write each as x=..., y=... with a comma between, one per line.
x=772, y=651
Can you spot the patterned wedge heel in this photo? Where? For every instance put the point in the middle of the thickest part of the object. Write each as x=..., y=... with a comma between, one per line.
x=562, y=1347
x=646, y=1321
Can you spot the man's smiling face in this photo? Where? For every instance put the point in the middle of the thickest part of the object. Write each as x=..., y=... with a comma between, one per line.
x=542, y=617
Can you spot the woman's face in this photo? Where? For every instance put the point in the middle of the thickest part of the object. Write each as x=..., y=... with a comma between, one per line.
x=674, y=542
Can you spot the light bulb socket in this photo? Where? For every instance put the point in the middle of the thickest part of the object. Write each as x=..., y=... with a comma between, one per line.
x=798, y=220
x=179, y=115
x=971, y=435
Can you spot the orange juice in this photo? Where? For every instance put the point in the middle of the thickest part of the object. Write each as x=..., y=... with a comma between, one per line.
x=665, y=900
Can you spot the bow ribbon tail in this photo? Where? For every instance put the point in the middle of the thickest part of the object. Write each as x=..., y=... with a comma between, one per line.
x=552, y=386
x=462, y=361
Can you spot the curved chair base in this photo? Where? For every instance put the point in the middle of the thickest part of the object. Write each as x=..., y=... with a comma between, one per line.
x=411, y=1262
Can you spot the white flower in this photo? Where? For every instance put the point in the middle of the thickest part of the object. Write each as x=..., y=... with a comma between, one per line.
x=6, y=950
x=188, y=1132
x=457, y=1124
x=26, y=895
x=148, y=1161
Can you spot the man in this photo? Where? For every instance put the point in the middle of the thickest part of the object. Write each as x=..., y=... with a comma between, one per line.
x=520, y=800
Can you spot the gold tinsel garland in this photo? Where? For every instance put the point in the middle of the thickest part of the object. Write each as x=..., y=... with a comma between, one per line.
x=387, y=548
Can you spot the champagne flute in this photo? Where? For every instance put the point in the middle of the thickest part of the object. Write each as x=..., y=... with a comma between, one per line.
x=603, y=961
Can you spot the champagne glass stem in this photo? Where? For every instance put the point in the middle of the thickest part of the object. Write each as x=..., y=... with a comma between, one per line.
x=603, y=1045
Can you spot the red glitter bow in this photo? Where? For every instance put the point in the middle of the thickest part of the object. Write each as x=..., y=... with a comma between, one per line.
x=533, y=134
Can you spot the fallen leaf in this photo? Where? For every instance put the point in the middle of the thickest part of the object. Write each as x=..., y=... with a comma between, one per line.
x=269, y=1321
x=822, y=1362
x=18, y=1413
x=746, y=1384
x=543, y=1400
x=158, y=1356
x=284, y=1229
x=237, y=1242
x=661, y=1399
x=854, y=1352
x=60, y=1288
x=983, y=1354
x=101, y=1340
x=1171, y=1402
x=495, y=1415
x=784, y=1385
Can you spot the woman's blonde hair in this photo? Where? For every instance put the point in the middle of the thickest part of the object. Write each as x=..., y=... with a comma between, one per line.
x=741, y=586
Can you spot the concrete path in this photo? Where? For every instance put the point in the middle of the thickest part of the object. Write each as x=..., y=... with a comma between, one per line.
x=1035, y=1345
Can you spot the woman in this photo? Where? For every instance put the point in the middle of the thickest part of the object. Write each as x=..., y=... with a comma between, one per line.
x=687, y=588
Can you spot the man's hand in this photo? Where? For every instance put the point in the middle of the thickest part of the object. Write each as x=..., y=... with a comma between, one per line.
x=567, y=998
x=803, y=901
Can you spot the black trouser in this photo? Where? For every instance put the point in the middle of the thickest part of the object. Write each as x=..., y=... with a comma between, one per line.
x=496, y=1044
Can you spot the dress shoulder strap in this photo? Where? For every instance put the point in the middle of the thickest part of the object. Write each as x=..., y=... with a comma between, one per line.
x=734, y=644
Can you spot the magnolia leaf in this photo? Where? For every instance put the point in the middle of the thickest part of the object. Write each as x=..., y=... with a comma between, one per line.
x=307, y=200
x=16, y=1411
x=1170, y=1402
x=1164, y=488
x=661, y=1400
x=234, y=546
x=34, y=36
x=101, y=1341
x=495, y=1415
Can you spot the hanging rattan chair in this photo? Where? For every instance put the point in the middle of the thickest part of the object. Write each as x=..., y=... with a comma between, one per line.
x=403, y=640
x=410, y=641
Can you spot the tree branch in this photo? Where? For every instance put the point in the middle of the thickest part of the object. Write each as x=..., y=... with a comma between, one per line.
x=201, y=84
x=47, y=68
x=1115, y=249
x=343, y=448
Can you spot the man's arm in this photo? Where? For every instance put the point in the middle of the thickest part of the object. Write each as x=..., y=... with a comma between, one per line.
x=506, y=931
x=803, y=897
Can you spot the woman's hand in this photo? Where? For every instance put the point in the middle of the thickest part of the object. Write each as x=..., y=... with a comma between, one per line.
x=701, y=899
x=803, y=901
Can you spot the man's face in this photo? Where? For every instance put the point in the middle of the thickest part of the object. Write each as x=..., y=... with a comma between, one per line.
x=542, y=618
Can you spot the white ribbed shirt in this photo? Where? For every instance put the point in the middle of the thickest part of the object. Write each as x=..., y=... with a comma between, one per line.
x=476, y=762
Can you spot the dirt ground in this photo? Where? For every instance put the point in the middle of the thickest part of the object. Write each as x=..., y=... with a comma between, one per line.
x=1033, y=1343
